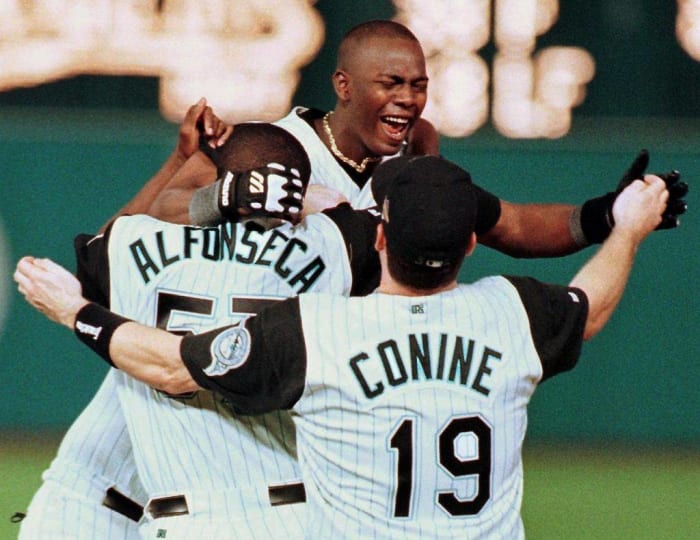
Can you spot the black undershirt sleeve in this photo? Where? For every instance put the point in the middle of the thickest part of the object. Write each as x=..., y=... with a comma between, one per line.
x=91, y=253
x=359, y=230
x=258, y=366
x=557, y=317
x=489, y=210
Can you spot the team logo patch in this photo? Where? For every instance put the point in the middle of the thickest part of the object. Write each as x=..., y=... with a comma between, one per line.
x=418, y=309
x=229, y=351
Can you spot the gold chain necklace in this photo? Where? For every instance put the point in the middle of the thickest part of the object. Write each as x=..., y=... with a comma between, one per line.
x=337, y=153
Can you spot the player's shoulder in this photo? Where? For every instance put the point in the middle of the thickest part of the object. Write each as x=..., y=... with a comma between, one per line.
x=293, y=119
x=131, y=220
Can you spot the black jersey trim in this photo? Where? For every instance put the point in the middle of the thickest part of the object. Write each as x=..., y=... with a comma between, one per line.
x=359, y=231
x=92, y=262
x=557, y=316
x=273, y=375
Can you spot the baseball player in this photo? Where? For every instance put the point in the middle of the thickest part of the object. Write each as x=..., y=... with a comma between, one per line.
x=410, y=419
x=381, y=83
x=91, y=488
x=208, y=472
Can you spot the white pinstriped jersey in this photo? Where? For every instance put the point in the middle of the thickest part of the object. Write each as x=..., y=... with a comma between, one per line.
x=97, y=441
x=94, y=455
x=185, y=278
x=410, y=411
x=325, y=169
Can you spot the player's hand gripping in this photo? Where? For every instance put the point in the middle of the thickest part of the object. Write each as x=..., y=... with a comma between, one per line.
x=597, y=217
x=270, y=191
x=675, y=205
x=50, y=288
x=640, y=207
x=201, y=129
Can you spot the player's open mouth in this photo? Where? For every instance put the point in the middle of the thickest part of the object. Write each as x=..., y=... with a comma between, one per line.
x=395, y=127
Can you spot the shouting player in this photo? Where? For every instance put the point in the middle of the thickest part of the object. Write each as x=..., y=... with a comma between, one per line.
x=210, y=473
x=381, y=85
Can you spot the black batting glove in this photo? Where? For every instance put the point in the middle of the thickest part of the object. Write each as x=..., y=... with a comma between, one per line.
x=676, y=205
x=269, y=191
x=596, y=214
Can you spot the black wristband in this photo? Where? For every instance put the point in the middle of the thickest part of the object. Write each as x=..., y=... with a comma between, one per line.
x=596, y=218
x=94, y=326
x=227, y=195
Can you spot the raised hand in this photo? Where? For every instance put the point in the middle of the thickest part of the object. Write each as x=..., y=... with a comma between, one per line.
x=639, y=207
x=201, y=128
x=597, y=217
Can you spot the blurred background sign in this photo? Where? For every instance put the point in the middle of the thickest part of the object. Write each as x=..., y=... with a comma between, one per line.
x=521, y=63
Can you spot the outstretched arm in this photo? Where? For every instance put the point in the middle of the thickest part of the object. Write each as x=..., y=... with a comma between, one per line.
x=148, y=354
x=533, y=230
x=550, y=230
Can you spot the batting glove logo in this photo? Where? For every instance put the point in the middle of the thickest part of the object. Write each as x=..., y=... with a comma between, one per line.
x=229, y=350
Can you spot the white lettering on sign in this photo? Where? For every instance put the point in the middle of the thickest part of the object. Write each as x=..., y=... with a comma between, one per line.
x=533, y=93
x=243, y=56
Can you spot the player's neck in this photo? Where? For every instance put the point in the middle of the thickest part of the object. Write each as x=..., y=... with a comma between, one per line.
x=356, y=160
x=389, y=285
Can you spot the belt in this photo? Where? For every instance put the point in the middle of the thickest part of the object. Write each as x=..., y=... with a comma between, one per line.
x=120, y=503
x=176, y=505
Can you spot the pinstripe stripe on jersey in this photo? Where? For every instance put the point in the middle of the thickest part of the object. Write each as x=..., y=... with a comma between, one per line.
x=348, y=441
x=95, y=454
x=196, y=444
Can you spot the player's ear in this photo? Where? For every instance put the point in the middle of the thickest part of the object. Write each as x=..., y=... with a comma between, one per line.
x=341, y=84
x=472, y=244
x=380, y=240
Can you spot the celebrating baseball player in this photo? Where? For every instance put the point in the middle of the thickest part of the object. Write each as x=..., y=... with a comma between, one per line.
x=410, y=403
x=381, y=87
x=374, y=118
x=190, y=449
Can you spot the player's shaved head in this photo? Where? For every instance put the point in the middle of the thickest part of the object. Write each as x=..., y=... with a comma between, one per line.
x=255, y=144
x=350, y=49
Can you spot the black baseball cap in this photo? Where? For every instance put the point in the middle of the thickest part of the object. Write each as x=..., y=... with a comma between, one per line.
x=429, y=210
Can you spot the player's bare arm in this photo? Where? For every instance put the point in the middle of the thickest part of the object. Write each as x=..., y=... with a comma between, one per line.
x=148, y=354
x=513, y=233
x=563, y=229
x=172, y=203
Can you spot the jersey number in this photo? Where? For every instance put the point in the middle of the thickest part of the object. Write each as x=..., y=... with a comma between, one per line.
x=196, y=307
x=402, y=441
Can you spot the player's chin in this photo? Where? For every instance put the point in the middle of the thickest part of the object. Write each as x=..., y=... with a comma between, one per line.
x=387, y=146
x=389, y=140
